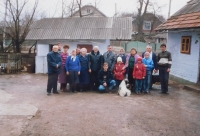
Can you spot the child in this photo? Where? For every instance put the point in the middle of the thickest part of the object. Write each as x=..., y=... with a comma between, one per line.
x=139, y=74
x=148, y=63
x=105, y=79
x=119, y=71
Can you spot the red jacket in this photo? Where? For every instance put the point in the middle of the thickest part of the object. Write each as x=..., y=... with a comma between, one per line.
x=139, y=71
x=119, y=73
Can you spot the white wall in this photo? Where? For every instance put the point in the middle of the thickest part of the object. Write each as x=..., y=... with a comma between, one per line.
x=43, y=49
x=185, y=66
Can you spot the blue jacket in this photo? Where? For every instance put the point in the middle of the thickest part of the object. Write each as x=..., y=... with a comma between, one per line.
x=149, y=63
x=154, y=58
x=54, y=59
x=72, y=65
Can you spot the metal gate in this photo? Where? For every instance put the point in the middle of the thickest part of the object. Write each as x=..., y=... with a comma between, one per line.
x=10, y=63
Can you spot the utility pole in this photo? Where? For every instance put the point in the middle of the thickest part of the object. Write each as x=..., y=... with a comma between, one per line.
x=4, y=25
x=170, y=2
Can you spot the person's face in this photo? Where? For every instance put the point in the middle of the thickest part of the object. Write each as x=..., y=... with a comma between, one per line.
x=73, y=53
x=121, y=51
x=59, y=46
x=149, y=49
x=163, y=48
x=83, y=52
x=105, y=67
x=55, y=49
x=139, y=61
x=77, y=51
x=109, y=48
x=146, y=56
x=96, y=50
x=66, y=50
x=133, y=52
x=119, y=62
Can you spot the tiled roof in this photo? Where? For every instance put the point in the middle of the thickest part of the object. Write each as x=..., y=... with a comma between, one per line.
x=81, y=28
x=186, y=17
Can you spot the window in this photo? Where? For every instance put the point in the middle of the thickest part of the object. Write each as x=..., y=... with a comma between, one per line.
x=186, y=44
x=147, y=25
x=88, y=11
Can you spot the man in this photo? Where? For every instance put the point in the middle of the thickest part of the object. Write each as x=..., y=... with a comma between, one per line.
x=152, y=56
x=96, y=62
x=164, y=65
x=106, y=79
x=110, y=58
x=54, y=63
x=78, y=51
x=59, y=47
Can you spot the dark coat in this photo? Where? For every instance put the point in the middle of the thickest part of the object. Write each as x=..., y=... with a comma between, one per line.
x=106, y=79
x=54, y=59
x=84, y=77
x=96, y=61
x=154, y=58
x=110, y=59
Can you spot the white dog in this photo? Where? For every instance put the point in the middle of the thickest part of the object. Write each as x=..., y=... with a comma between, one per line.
x=123, y=90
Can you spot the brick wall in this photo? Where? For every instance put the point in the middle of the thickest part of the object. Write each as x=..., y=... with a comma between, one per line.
x=185, y=66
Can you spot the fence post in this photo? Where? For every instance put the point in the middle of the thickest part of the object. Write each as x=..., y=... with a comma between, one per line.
x=8, y=64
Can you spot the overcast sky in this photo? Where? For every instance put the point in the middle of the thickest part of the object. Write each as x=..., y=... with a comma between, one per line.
x=52, y=8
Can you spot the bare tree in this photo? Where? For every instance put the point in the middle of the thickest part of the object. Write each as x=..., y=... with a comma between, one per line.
x=71, y=7
x=19, y=21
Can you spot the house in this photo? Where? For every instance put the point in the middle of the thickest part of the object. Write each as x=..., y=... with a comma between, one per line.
x=83, y=32
x=151, y=22
x=184, y=41
x=89, y=11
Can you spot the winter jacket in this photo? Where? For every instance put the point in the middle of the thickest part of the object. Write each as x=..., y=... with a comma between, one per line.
x=96, y=61
x=139, y=71
x=110, y=59
x=128, y=57
x=84, y=77
x=54, y=59
x=149, y=63
x=72, y=65
x=154, y=58
x=105, y=77
x=119, y=73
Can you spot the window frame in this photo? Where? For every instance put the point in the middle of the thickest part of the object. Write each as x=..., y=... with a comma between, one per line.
x=185, y=50
x=144, y=26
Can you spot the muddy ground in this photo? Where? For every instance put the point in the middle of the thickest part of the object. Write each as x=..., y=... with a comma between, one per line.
x=94, y=114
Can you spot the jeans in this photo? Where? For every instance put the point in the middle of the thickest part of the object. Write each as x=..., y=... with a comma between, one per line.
x=138, y=83
x=52, y=82
x=111, y=85
x=147, y=81
x=118, y=82
x=164, y=78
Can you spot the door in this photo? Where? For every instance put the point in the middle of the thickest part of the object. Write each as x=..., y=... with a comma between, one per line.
x=87, y=46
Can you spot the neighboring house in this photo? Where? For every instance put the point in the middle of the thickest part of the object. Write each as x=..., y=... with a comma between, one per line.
x=82, y=32
x=150, y=23
x=184, y=41
x=161, y=38
x=89, y=11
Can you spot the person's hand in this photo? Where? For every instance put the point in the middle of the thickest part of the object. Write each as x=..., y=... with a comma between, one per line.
x=155, y=71
x=145, y=65
x=123, y=68
x=168, y=70
x=57, y=66
x=90, y=70
x=104, y=84
x=143, y=77
x=133, y=77
x=79, y=73
x=67, y=73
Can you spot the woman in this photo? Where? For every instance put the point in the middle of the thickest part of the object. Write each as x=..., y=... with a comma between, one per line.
x=131, y=60
x=73, y=68
x=84, y=78
x=62, y=76
x=96, y=62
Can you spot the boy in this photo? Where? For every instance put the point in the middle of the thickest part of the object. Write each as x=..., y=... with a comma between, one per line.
x=148, y=63
x=119, y=71
x=105, y=79
x=139, y=74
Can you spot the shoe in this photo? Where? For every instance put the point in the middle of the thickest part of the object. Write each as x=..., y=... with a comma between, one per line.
x=165, y=93
x=56, y=92
x=48, y=94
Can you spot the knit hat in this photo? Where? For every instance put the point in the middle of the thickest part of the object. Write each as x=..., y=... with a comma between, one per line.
x=119, y=59
x=139, y=58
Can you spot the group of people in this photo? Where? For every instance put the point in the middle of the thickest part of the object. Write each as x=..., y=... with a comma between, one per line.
x=104, y=72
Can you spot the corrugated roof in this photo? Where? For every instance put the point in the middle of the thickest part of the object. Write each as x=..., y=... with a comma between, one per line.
x=81, y=28
x=186, y=17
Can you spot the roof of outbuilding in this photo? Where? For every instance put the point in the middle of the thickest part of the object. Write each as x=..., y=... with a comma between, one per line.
x=81, y=28
x=186, y=17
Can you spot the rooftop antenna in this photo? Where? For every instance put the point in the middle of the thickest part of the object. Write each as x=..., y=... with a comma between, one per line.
x=170, y=2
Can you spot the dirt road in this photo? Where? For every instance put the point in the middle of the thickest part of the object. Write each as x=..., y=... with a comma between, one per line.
x=94, y=114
